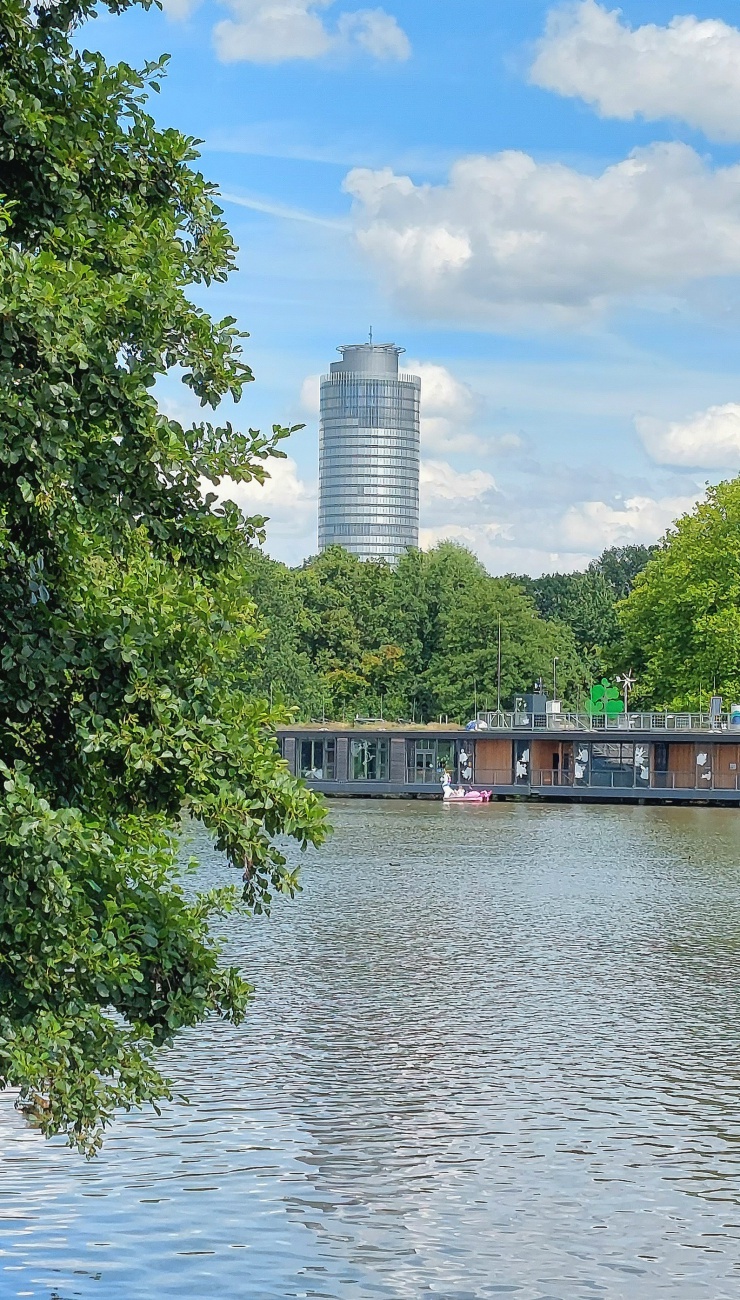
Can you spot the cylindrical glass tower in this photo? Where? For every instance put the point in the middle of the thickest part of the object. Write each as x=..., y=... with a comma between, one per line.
x=369, y=454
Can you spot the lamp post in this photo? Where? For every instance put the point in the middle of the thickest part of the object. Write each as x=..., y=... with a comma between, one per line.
x=498, y=675
x=555, y=677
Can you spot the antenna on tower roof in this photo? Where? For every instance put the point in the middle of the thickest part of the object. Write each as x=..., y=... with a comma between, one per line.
x=371, y=336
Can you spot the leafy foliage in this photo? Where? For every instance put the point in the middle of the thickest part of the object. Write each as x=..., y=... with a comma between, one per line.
x=587, y=601
x=124, y=617
x=681, y=623
x=352, y=637
x=620, y=566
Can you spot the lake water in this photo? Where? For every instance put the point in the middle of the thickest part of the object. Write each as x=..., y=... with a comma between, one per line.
x=494, y=1052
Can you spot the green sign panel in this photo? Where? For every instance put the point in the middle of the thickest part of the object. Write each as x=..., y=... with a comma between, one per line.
x=605, y=700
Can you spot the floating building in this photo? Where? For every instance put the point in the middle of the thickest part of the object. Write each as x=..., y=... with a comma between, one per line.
x=369, y=454
x=636, y=758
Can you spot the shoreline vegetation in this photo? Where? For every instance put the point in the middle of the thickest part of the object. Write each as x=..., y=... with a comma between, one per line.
x=347, y=637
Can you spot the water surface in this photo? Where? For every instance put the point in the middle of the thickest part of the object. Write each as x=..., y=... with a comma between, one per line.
x=494, y=1052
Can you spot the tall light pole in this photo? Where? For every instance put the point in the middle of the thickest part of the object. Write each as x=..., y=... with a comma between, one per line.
x=555, y=677
x=498, y=674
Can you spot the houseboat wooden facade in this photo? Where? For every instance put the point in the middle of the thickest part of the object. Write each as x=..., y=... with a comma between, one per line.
x=643, y=758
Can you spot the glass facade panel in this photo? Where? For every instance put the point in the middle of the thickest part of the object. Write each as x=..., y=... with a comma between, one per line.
x=318, y=760
x=369, y=454
x=369, y=760
x=613, y=765
x=425, y=765
x=428, y=760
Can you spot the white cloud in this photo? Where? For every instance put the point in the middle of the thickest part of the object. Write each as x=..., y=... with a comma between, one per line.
x=442, y=393
x=275, y=31
x=517, y=533
x=492, y=544
x=180, y=9
x=447, y=408
x=710, y=439
x=473, y=536
x=283, y=210
x=509, y=240
x=271, y=31
x=311, y=395
x=509, y=442
x=440, y=482
x=376, y=32
x=283, y=496
x=594, y=525
x=535, y=561
x=687, y=70
x=287, y=500
x=441, y=434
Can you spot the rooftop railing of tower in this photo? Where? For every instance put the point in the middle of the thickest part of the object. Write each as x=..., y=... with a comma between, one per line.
x=342, y=376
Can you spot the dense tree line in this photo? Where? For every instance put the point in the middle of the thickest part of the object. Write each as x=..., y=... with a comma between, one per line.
x=344, y=637
x=588, y=602
x=348, y=637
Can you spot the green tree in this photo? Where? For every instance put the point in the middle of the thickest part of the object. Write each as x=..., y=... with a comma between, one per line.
x=125, y=623
x=584, y=601
x=587, y=602
x=353, y=636
x=620, y=565
x=681, y=623
x=281, y=671
x=345, y=632
x=465, y=607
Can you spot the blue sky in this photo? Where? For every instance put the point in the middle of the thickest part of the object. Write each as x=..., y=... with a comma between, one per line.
x=540, y=203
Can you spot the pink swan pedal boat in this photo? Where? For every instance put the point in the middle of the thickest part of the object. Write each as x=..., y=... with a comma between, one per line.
x=450, y=795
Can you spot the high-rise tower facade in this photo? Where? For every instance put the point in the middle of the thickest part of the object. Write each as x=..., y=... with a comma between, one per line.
x=369, y=454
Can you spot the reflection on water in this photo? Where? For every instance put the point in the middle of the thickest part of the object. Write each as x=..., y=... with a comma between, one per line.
x=494, y=1052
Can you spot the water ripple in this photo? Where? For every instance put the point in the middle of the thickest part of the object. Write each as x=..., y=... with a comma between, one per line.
x=508, y=1066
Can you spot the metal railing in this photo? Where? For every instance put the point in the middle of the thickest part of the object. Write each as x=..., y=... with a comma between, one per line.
x=551, y=777
x=504, y=776
x=702, y=779
x=509, y=721
x=595, y=779
x=427, y=776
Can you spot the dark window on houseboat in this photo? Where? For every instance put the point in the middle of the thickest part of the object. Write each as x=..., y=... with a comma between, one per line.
x=318, y=760
x=369, y=760
x=422, y=763
x=428, y=760
x=663, y=779
x=613, y=765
